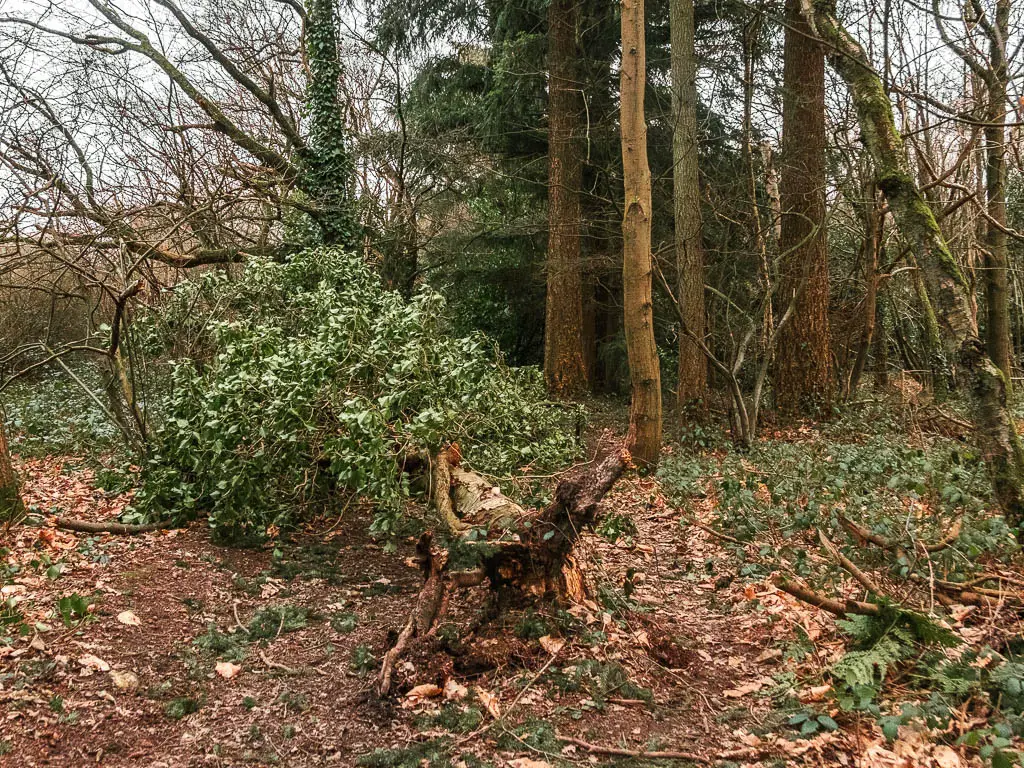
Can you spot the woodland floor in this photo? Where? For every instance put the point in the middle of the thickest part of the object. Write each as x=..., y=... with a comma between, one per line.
x=132, y=683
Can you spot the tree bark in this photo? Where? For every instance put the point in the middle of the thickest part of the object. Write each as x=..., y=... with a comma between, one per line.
x=638, y=311
x=804, y=377
x=986, y=383
x=693, y=367
x=526, y=552
x=11, y=506
x=565, y=371
x=874, y=219
x=997, y=293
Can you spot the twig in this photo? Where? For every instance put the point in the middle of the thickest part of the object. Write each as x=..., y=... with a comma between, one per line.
x=238, y=621
x=286, y=669
x=712, y=531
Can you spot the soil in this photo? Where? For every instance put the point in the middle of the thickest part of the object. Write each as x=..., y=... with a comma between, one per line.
x=671, y=653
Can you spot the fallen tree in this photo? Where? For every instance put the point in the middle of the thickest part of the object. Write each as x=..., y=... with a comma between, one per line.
x=491, y=539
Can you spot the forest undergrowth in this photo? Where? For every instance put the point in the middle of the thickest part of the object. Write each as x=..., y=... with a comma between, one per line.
x=697, y=640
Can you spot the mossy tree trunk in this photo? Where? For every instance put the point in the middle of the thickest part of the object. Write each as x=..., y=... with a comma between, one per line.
x=804, y=377
x=638, y=310
x=693, y=366
x=11, y=506
x=993, y=73
x=565, y=371
x=947, y=286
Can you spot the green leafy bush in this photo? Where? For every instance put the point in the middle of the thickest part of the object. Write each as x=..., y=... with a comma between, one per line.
x=307, y=377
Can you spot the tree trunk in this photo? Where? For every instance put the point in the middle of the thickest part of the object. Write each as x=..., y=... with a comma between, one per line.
x=874, y=219
x=11, y=506
x=638, y=311
x=804, y=377
x=526, y=552
x=565, y=371
x=693, y=366
x=997, y=302
x=881, y=345
x=986, y=383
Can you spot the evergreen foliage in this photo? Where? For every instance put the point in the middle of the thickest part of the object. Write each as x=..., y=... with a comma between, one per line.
x=317, y=379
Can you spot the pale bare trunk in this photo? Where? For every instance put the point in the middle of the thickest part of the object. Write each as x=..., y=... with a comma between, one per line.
x=638, y=310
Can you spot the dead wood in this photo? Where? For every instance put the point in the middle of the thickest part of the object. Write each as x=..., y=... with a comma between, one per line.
x=528, y=552
x=862, y=534
x=86, y=526
x=835, y=607
x=596, y=749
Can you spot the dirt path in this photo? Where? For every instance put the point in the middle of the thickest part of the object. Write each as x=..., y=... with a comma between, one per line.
x=674, y=653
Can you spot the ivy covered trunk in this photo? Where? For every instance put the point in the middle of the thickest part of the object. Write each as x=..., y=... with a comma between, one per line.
x=947, y=286
x=327, y=163
x=803, y=376
x=638, y=310
x=11, y=505
x=565, y=372
x=693, y=366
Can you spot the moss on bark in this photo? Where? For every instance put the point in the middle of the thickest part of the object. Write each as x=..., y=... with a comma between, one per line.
x=946, y=284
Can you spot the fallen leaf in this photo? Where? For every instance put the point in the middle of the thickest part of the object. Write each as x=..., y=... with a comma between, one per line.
x=452, y=690
x=945, y=757
x=425, y=691
x=90, y=662
x=552, y=644
x=490, y=701
x=743, y=690
x=771, y=653
x=817, y=693
x=37, y=644
x=226, y=669
x=528, y=762
x=129, y=618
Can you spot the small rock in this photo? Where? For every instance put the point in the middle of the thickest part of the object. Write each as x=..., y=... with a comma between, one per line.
x=126, y=681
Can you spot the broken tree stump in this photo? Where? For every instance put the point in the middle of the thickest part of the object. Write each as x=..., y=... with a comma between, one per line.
x=490, y=537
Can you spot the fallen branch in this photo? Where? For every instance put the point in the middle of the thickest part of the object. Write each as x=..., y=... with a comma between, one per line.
x=596, y=749
x=861, y=533
x=835, y=607
x=86, y=526
x=849, y=565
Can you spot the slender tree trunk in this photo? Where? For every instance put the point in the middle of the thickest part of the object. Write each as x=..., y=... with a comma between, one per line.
x=751, y=31
x=11, y=506
x=881, y=345
x=638, y=311
x=997, y=291
x=565, y=370
x=873, y=222
x=693, y=366
x=986, y=383
x=804, y=378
